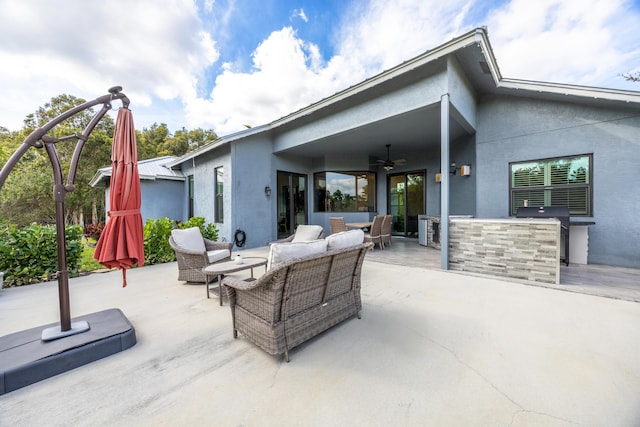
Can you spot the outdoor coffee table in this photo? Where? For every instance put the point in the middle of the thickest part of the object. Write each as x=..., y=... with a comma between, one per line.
x=220, y=268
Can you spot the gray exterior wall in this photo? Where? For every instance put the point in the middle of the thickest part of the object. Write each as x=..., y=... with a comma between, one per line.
x=203, y=170
x=520, y=129
x=158, y=199
x=251, y=210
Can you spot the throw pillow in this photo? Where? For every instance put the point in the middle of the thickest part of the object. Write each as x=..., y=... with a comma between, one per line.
x=345, y=239
x=282, y=252
x=307, y=233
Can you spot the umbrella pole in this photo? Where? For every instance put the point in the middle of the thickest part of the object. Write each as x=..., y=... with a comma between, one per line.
x=66, y=328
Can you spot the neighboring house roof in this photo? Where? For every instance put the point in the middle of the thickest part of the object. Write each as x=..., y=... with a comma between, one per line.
x=150, y=169
x=474, y=53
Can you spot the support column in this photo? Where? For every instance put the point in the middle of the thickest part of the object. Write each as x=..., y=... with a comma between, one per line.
x=444, y=183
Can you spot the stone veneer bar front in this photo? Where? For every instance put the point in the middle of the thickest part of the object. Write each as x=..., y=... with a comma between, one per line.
x=527, y=249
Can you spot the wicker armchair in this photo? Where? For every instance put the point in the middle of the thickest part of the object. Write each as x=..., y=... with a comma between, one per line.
x=194, y=252
x=375, y=234
x=386, y=230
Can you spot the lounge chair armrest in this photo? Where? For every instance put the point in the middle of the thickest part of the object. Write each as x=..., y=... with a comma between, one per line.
x=190, y=252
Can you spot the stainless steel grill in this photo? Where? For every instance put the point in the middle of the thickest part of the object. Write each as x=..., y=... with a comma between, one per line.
x=559, y=212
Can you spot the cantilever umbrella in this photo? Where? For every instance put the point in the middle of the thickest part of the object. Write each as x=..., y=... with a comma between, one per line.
x=121, y=243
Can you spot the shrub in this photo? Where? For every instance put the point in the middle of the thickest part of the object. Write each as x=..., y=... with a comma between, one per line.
x=30, y=254
x=156, y=241
x=208, y=231
x=93, y=231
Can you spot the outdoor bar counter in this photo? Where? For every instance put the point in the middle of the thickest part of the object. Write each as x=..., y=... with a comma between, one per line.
x=519, y=248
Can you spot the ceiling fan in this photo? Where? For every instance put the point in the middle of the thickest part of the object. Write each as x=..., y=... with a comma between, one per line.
x=388, y=164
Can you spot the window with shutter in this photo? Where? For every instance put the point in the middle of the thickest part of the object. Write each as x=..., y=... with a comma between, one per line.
x=564, y=181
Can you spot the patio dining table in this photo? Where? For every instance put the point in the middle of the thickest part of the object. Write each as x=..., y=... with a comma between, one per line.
x=364, y=224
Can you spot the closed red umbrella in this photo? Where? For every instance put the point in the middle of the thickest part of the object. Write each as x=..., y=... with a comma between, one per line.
x=121, y=244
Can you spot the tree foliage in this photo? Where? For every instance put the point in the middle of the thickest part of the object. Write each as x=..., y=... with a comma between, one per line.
x=27, y=196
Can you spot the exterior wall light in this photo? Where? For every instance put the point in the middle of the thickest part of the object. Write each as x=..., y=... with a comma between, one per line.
x=267, y=191
x=453, y=168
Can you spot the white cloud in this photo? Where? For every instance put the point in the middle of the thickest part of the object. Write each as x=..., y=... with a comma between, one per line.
x=381, y=34
x=155, y=53
x=299, y=13
x=287, y=75
x=585, y=42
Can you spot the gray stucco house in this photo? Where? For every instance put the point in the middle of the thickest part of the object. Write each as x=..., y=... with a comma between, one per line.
x=520, y=142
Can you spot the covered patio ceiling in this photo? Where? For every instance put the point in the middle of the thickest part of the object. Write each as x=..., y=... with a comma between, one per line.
x=407, y=133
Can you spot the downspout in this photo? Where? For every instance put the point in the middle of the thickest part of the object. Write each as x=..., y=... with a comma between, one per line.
x=444, y=183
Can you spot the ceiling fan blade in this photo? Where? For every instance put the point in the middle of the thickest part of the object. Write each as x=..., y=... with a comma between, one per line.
x=399, y=161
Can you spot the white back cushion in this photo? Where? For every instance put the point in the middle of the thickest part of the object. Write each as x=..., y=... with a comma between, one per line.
x=282, y=252
x=189, y=239
x=345, y=239
x=307, y=233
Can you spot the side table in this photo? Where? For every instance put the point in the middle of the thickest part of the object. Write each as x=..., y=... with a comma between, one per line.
x=220, y=268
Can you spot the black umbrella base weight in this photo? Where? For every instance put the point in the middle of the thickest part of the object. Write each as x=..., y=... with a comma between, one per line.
x=25, y=358
x=56, y=332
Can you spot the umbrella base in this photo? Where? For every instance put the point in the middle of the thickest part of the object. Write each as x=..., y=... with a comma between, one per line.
x=56, y=332
x=25, y=358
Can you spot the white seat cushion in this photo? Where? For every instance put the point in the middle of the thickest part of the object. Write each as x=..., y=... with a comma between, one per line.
x=189, y=239
x=345, y=239
x=218, y=255
x=282, y=252
x=307, y=233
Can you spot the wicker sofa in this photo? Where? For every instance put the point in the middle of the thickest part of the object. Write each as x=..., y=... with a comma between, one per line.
x=299, y=298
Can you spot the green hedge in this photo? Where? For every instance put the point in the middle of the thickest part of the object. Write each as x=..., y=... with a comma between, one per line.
x=157, y=232
x=30, y=254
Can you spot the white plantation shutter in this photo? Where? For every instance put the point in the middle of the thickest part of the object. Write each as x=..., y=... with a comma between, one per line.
x=554, y=182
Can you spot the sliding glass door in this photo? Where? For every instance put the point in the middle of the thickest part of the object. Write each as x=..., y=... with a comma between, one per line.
x=292, y=202
x=406, y=200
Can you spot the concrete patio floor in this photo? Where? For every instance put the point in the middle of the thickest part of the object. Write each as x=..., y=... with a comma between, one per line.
x=432, y=348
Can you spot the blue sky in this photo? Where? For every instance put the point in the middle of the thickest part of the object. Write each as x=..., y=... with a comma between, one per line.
x=223, y=64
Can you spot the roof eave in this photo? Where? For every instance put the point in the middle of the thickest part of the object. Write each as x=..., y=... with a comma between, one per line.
x=572, y=90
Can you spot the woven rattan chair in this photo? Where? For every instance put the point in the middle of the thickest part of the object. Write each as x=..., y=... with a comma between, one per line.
x=375, y=234
x=386, y=230
x=337, y=224
x=194, y=252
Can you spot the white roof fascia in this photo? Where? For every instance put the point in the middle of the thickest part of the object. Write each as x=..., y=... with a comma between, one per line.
x=572, y=90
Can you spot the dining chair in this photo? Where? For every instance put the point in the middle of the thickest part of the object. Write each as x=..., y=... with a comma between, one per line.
x=337, y=224
x=375, y=234
x=386, y=230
